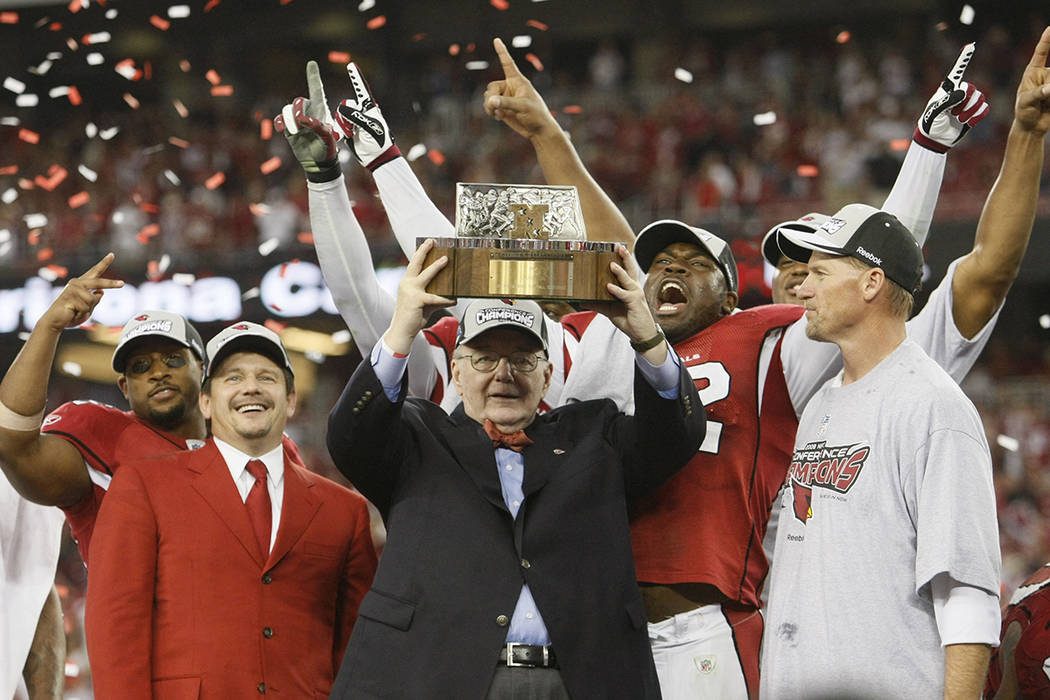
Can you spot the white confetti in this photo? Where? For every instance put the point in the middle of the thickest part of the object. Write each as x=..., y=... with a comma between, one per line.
x=58, y=91
x=315, y=356
x=1044, y=321
x=1007, y=443
x=35, y=220
x=966, y=16
x=27, y=100
x=54, y=55
x=477, y=65
x=126, y=70
x=341, y=337
x=42, y=68
x=683, y=75
x=95, y=59
x=172, y=178
x=250, y=294
x=97, y=38
x=417, y=151
x=164, y=264
x=366, y=5
x=10, y=121
x=14, y=85
x=87, y=173
x=71, y=368
x=268, y=246
x=111, y=14
x=521, y=41
x=179, y=11
x=48, y=274
x=5, y=235
x=765, y=119
x=9, y=195
x=5, y=248
x=90, y=130
x=183, y=278
x=107, y=134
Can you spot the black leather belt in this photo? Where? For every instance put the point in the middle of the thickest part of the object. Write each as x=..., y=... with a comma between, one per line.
x=527, y=656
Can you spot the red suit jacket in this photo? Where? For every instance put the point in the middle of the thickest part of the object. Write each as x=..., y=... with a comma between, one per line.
x=180, y=605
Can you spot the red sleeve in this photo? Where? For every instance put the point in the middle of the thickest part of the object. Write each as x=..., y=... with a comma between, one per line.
x=93, y=428
x=119, y=623
x=361, y=562
x=577, y=323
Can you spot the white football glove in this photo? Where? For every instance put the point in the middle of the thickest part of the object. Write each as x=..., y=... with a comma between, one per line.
x=363, y=124
x=953, y=110
x=308, y=126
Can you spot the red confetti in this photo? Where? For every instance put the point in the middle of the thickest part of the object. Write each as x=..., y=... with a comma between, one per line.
x=181, y=108
x=284, y=268
x=79, y=200
x=58, y=270
x=147, y=232
x=285, y=2
x=40, y=181
x=266, y=130
x=453, y=50
x=257, y=209
x=215, y=180
x=8, y=18
x=184, y=65
x=419, y=36
x=536, y=24
x=55, y=26
x=25, y=184
x=534, y=60
x=843, y=37
x=45, y=254
x=306, y=237
x=149, y=207
x=338, y=57
x=148, y=68
x=270, y=165
x=33, y=237
x=275, y=326
x=500, y=4
x=160, y=23
x=222, y=90
x=436, y=157
x=74, y=95
x=572, y=109
x=900, y=144
x=130, y=99
x=376, y=22
x=74, y=6
x=9, y=170
x=470, y=47
x=152, y=269
x=213, y=77
x=57, y=175
x=28, y=136
x=807, y=170
x=211, y=4
x=179, y=143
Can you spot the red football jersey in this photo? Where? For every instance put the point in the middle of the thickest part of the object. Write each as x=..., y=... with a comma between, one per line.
x=1030, y=608
x=706, y=523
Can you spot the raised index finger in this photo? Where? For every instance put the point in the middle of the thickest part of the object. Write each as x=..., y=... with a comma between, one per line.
x=314, y=84
x=510, y=68
x=98, y=268
x=956, y=73
x=1041, y=51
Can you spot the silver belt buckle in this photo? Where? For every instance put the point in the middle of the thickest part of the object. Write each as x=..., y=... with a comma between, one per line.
x=524, y=664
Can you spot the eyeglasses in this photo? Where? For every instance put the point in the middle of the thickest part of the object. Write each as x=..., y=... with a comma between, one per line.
x=141, y=365
x=523, y=362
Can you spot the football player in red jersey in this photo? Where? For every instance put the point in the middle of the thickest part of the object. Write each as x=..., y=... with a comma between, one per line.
x=1020, y=667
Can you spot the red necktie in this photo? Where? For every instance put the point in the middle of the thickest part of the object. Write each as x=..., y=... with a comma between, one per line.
x=512, y=441
x=258, y=505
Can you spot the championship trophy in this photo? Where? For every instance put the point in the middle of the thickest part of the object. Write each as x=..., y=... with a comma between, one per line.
x=521, y=242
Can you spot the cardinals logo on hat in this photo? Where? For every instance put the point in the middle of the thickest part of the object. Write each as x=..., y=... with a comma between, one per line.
x=142, y=317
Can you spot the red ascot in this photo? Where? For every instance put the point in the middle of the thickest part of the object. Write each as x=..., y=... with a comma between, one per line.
x=512, y=441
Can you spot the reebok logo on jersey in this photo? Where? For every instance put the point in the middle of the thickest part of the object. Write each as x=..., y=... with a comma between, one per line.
x=817, y=465
x=869, y=255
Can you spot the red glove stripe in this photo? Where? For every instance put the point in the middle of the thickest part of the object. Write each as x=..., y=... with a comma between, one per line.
x=926, y=142
x=387, y=156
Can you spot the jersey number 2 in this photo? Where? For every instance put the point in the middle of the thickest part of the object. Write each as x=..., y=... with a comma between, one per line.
x=717, y=388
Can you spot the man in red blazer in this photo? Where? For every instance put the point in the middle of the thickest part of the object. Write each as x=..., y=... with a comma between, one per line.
x=229, y=571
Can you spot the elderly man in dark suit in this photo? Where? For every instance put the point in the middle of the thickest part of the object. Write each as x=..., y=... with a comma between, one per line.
x=507, y=570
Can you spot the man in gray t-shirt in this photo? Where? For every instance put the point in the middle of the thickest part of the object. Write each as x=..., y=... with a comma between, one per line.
x=888, y=546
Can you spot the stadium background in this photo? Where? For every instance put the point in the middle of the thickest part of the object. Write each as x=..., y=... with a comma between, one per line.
x=142, y=128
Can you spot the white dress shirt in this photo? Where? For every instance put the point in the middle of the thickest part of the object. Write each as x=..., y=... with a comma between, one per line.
x=237, y=462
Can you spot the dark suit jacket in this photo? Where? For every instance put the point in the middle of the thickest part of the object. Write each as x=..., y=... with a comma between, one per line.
x=180, y=603
x=454, y=562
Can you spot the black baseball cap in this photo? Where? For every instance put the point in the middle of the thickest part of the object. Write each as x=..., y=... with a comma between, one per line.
x=156, y=324
x=660, y=234
x=872, y=236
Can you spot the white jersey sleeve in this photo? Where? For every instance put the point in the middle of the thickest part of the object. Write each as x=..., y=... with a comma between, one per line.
x=807, y=364
x=934, y=330
x=346, y=263
x=408, y=207
x=602, y=366
x=914, y=194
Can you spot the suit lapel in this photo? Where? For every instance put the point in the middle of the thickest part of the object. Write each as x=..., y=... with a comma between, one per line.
x=540, y=462
x=298, y=508
x=216, y=487
x=472, y=448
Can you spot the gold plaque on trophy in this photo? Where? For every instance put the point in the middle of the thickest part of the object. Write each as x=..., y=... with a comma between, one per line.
x=523, y=242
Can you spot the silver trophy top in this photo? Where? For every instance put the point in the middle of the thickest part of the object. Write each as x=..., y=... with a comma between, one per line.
x=545, y=212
